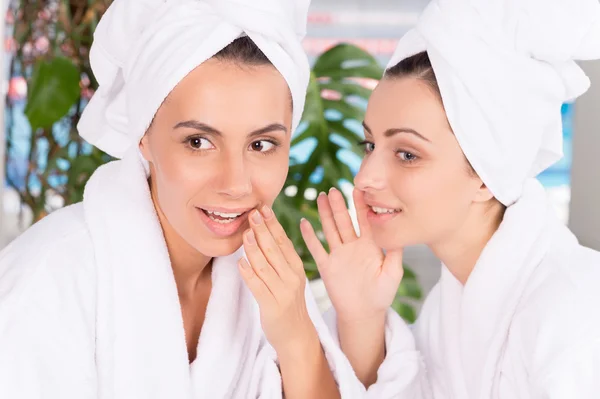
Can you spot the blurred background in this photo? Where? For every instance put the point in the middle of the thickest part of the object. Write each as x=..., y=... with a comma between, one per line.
x=47, y=82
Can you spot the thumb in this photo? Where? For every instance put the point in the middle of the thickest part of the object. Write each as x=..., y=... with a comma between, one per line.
x=392, y=264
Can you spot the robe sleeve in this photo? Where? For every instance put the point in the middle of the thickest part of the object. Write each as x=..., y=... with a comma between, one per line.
x=402, y=375
x=349, y=385
x=267, y=384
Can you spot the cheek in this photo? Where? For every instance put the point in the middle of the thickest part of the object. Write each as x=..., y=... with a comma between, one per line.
x=417, y=187
x=180, y=176
x=452, y=202
x=268, y=177
x=435, y=201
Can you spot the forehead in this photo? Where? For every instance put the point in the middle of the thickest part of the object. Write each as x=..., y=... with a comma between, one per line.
x=220, y=91
x=405, y=103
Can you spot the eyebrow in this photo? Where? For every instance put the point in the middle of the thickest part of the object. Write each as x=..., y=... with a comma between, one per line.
x=203, y=127
x=392, y=131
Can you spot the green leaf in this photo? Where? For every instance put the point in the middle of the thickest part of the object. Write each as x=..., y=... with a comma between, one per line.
x=347, y=61
x=53, y=90
x=313, y=108
x=348, y=111
x=308, y=168
x=410, y=288
x=347, y=88
x=311, y=131
x=339, y=128
x=406, y=311
x=409, y=274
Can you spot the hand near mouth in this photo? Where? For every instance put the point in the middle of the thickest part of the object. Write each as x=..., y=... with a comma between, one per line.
x=360, y=279
x=275, y=275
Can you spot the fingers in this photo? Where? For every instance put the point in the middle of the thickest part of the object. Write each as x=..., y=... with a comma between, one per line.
x=361, y=212
x=392, y=265
x=269, y=249
x=258, y=288
x=313, y=243
x=328, y=222
x=341, y=216
x=260, y=265
x=282, y=241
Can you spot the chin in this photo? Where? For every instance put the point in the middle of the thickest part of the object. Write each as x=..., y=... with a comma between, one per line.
x=216, y=247
x=213, y=246
x=391, y=242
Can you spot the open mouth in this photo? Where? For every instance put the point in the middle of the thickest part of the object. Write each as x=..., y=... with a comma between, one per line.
x=224, y=222
x=223, y=217
x=384, y=211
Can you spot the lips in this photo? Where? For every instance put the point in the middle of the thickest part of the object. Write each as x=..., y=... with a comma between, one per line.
x=223, y=217
x=224, y=222
x=380, y=213
x=379, y=210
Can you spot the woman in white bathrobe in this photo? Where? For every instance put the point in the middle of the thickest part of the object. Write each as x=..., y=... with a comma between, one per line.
x=142, y=290
x=467, y=114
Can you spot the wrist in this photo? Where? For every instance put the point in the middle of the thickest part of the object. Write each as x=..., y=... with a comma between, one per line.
x=349, y=321
x=363, y=342
x=364, y=331
x=305, y=343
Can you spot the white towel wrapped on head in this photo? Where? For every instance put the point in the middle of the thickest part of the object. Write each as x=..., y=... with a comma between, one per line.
x=143, y=48
x=504, y=68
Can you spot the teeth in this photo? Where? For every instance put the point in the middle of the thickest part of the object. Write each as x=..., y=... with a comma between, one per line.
x=224, y=215
x=379, y=210
x=221, y=221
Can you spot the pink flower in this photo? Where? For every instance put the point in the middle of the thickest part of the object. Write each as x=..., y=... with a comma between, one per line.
x=17, y=88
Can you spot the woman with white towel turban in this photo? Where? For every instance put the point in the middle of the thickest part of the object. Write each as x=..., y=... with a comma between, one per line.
x=142, y=290
x=467, y=114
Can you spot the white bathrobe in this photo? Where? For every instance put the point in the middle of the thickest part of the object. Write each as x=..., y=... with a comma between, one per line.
x=526, y=325
x=89, y=309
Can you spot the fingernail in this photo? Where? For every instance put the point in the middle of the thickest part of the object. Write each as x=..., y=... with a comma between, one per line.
x=322, y=193
x=332, y=189
x=267, y=212
x=244, y=263
x=256, y=218
x=250, y=237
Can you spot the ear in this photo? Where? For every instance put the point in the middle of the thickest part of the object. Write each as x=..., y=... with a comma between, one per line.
x=144, y=146
x=483, y=193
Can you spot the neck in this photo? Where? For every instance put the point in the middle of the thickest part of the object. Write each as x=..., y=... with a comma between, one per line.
x=191, y=269
x=461, y=250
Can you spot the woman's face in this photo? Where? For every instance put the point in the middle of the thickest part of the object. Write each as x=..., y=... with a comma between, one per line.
x=414, y=176
x=218, y=147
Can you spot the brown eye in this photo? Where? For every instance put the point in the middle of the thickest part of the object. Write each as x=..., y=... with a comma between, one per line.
x=199, y=143
x=262, y=146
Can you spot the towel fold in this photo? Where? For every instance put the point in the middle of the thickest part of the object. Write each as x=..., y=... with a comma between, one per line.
x=504, y=68
x=143, y=48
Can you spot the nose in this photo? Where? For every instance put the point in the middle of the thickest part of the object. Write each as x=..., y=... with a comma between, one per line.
x=235, y=181
x=371, y=175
